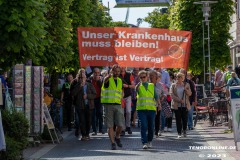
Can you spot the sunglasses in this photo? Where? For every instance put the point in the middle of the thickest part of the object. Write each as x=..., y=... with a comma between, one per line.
x=143, y=77
x=179, y=76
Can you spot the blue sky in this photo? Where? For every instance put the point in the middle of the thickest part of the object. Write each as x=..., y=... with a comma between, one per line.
x=119, y=14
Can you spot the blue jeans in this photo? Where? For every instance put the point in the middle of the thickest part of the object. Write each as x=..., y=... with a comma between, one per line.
x=146, y=119
x=162, y=120
x=190, y=117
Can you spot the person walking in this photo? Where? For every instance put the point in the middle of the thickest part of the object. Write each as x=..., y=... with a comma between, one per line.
x=111, y=95
x=83, y=94
x=97, y=118
x=180, y=92
x=134, y=97
x=193, y=102
x=192, y=98
x=66, y=99
x=146, y=108
x=76, y=118
x=155, y=78
x=128, y=84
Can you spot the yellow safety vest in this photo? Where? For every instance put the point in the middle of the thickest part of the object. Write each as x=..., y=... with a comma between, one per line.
x=113, y=93
x=145, y=98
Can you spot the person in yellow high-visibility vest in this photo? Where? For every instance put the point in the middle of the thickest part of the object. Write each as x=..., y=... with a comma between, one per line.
x=111, y=96
x=148, y=103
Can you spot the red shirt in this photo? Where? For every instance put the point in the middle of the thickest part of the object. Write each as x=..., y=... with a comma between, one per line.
x=98, y=88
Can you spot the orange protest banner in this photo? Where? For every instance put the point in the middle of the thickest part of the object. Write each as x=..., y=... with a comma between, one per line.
x=134, y=47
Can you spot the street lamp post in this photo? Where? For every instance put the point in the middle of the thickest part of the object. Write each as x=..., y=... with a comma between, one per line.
x=206, y=14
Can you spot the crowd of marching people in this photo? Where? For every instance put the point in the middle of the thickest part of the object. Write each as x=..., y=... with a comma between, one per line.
x=149, y=98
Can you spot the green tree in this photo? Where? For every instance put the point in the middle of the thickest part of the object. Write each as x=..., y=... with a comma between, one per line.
x=157, y=19
x=86, y=13
x=100, y=16
x=58, y=53
x=118, y=24
x=22, y=33
x=184, y=15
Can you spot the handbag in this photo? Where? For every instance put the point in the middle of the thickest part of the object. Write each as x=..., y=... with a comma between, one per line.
x=166, y=109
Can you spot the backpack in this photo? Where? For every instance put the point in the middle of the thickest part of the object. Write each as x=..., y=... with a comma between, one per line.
x=228, y=76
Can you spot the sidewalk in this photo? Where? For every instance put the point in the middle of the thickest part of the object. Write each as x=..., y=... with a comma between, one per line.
x=166, y=147
x=216, y=135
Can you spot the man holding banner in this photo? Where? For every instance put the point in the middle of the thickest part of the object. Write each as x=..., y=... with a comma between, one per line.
x=111, y=95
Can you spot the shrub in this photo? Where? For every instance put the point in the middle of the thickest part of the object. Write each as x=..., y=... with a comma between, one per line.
x=16, y=129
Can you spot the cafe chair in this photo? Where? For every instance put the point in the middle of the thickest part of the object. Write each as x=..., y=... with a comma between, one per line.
x=219, y=92
x=202, y=109
x=218, y=112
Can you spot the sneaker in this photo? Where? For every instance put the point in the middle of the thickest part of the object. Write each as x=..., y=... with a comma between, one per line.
x=122, y=133
x=160, y=133
x=149, y=144
x=179, y=136
x=94, y=133
x=114, y=146
x=165, y=129
x=145, y=146
x=184, y=134
x=190, y=128
x=156, y=135
x=84, y=138
x=133, y=124
x=87, y=137
x=169, y=129
x=129, y=130
x=117, y=140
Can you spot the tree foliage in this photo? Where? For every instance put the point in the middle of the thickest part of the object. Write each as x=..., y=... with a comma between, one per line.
x=58, y=53
x=118, y=24
x=184, y=15
x=22, y=33
x=157, y=19
x=86, y=13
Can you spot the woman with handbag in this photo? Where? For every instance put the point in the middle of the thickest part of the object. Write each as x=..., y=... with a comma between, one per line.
x=180, y=93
